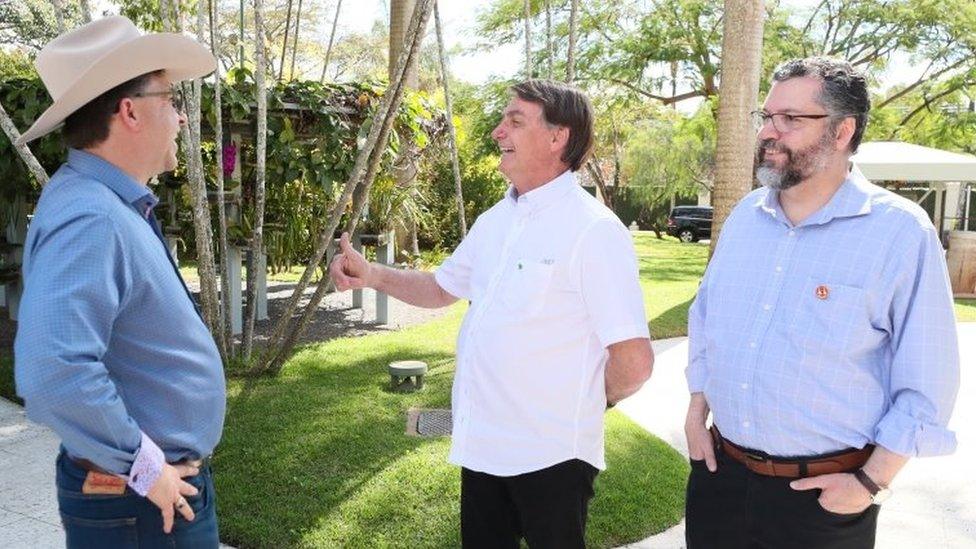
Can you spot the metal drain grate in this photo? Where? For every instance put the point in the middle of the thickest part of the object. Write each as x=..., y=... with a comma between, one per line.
x=434, y=423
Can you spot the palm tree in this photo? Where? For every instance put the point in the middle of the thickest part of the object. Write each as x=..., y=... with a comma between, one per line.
x=738, y=92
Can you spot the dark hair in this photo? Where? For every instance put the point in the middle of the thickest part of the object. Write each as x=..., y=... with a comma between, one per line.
x=565, y=106
x=89, y=125
x=844, y=90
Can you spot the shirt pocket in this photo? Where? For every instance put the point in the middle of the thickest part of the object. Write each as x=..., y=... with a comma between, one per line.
x=831, y=317
x=526, y=286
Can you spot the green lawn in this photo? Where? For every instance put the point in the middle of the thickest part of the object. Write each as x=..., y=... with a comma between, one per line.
x=669, y=273
x=318, y=457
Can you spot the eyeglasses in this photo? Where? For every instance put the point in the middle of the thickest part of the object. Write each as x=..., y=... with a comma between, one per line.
x=787, y=122
x=175, y=97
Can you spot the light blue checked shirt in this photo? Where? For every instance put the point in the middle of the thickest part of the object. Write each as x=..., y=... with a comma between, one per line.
x=832, y=334
x=110, y=350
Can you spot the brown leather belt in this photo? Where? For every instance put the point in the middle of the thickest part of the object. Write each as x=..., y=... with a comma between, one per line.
x=763, y=464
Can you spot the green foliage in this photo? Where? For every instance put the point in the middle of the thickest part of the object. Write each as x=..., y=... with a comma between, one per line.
x=314, y=131
x=31, y=23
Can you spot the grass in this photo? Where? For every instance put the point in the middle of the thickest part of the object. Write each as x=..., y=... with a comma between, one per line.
x=188, y=270
x=321, y=452
x=669, y=275
x=966, y=310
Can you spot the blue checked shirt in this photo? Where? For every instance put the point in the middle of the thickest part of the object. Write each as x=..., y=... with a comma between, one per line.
x=109, y=346
x=832, y=334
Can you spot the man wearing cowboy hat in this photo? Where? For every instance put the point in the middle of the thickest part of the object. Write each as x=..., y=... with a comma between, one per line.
x=111, y=352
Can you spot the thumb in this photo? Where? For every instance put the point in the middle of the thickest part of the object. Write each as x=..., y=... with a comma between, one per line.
x=809, y=483
x=344, y=244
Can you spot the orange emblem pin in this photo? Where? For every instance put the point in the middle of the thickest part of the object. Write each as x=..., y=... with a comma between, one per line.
x=822, y=292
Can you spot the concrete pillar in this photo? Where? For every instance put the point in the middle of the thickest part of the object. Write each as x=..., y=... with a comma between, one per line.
x=235, y=299
x=357, y=295
x=262, y=282
x=384, y=256
x=953, y=205
x=172, y=245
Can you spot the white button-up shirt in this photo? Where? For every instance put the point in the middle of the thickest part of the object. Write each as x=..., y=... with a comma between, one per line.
x=553, y=280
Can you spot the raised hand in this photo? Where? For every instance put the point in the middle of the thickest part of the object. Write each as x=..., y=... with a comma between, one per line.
x=349, y=269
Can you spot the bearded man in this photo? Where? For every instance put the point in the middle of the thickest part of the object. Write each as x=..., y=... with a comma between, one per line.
x=822, y=338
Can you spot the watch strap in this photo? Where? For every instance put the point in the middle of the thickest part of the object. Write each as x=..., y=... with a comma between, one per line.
x=866, y=481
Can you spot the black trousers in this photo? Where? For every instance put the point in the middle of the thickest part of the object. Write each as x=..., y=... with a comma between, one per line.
x=547, y=507
x=735, y=508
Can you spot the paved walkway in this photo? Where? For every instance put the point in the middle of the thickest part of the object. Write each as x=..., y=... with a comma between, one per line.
x=934, y=504
x=934, y=501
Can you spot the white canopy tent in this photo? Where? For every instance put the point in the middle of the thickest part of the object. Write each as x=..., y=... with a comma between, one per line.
x=895, y=161
x=942, y=171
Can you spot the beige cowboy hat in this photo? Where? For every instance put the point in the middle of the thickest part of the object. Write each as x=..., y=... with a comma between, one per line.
x=80, y=65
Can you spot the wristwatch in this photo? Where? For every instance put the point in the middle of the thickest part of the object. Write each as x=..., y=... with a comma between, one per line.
x=878, y=493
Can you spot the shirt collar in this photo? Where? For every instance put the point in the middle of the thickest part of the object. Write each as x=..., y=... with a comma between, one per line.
x=543, y=196
x=129, y=190
x=852, y=199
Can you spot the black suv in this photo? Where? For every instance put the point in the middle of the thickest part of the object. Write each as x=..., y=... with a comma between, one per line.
x=690, y=223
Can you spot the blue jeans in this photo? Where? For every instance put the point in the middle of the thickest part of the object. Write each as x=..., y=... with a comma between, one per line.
x=130, y=520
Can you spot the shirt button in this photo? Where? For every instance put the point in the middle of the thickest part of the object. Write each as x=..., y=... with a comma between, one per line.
x=752, y=344
x=744, y=386
x=767, y=307
x=792, y=233
x=779, y=269
x=746, y=424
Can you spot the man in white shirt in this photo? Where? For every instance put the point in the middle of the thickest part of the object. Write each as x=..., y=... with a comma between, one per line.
x=555, y=332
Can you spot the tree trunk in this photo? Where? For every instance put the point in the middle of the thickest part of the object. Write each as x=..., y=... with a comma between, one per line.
x=284, y=43
x=451, y=133
x=571, y=53
x=25, y=153
x=328, y=50
x=404, y=168
x=294, y=44
x=593, y=167
x=190, y=143
x=550, y=52
x=85, y=12
x=363, y=174
x=741, y=64
x=260, y=152
x=225, y=306
x=527, y=19
x=400, y=17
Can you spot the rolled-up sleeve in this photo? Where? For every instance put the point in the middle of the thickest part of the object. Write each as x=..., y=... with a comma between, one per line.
x=609, y=281
x=924, y=376
x=75, y=281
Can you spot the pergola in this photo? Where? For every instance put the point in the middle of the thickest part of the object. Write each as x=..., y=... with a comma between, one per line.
x=940, y=171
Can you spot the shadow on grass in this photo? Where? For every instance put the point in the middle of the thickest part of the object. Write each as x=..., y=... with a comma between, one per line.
x=672, y=322
x=318, y=457
x=317, y=451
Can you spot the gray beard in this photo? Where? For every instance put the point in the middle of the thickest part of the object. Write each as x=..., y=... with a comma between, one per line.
x=774, y=179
